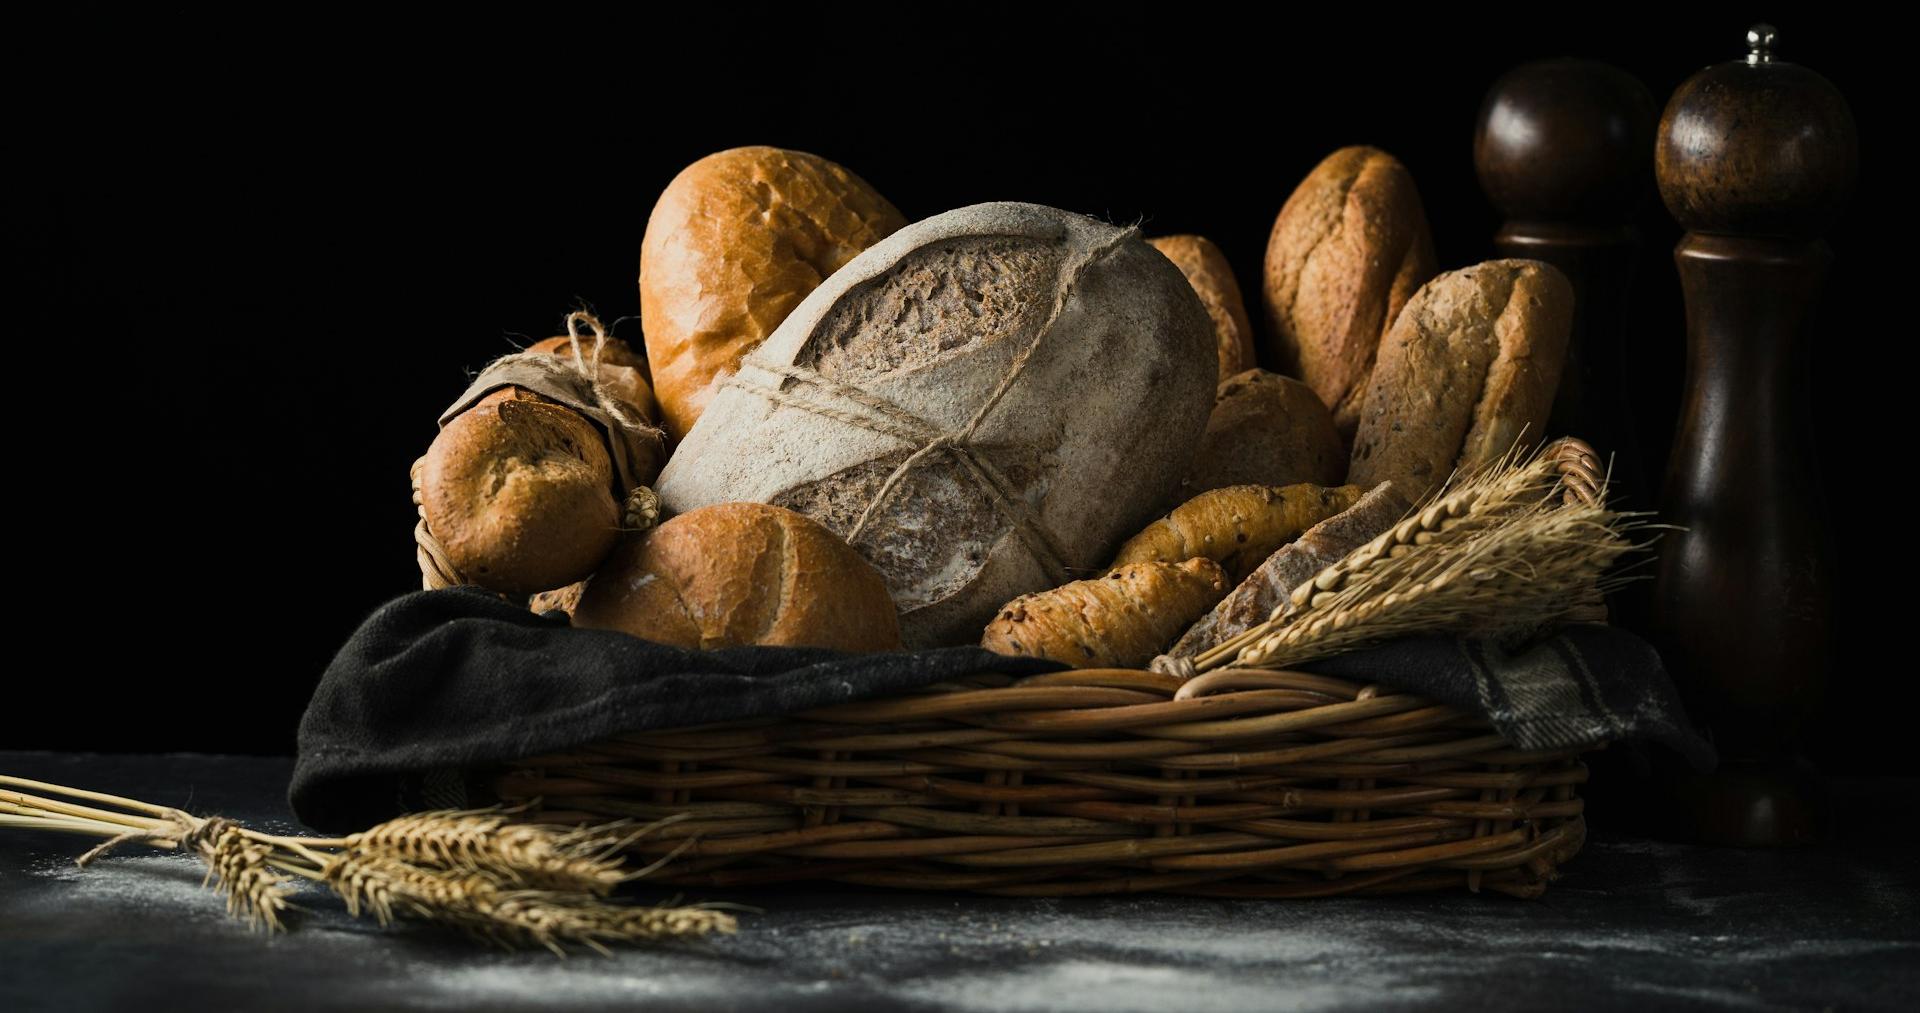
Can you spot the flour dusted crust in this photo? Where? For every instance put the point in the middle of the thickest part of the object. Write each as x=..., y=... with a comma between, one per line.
x=1468, y=370
x=738, y=574
x=1212, y=279
x=915, y=336
x=1347, y=251
x=735, y=242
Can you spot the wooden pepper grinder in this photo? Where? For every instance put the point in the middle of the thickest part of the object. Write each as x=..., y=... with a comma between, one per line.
x=1755, y=158
x=1564, y=151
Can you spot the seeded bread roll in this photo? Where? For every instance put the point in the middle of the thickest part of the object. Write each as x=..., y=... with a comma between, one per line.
x=1348, y=250
x=1468, y=368
x=1266, y=429
x=519, y=491
x=736, y=574
x=734, y=244
x=1120, y=620
x=1212, y=279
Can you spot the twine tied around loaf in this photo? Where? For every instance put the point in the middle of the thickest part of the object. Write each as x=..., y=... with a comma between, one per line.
x=572, y=381
x=819, y=395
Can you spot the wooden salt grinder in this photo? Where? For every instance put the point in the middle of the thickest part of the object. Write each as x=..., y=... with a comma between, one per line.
x=1564, y=151
x=1755, y=158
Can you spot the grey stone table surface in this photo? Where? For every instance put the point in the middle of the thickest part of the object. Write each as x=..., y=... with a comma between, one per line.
x=1633, y=924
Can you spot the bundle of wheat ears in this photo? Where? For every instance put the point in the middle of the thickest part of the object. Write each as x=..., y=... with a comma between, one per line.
x=507, y=883
x=1500, y=554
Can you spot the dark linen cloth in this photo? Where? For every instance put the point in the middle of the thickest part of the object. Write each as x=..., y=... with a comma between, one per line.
x=436, y=684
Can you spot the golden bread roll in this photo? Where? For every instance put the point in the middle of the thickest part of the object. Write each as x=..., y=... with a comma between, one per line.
x=1120, y=620
x=732, y=246
x=1468, y=370
x=1266, y=429
x=520, y=492
x=1347, y=251
x=735, y=574
x=1238, y=526
x=1212, y=279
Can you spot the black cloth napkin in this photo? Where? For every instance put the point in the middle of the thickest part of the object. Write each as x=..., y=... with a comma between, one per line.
x=438, y=684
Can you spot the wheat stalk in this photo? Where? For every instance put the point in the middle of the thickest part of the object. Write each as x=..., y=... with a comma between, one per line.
x=474, y=870
x=1499, y=553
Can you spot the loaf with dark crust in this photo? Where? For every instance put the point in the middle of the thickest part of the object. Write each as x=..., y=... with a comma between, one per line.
x=1212, y=279
x=738, y=574
x=734, y=243
x=519, y=491
x=1347, y=251
x=1467, y=373
x=1266, y=429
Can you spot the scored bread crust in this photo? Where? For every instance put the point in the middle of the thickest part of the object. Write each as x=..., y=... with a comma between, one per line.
x=1212, y=279
x=738, y=574
x=1120, y=620
x=1468, y=370
x=735, y=242
x=519, y=491
x=1347, y=251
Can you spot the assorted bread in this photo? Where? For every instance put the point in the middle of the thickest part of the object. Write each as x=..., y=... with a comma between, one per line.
x=916, y=435
x=915, y=404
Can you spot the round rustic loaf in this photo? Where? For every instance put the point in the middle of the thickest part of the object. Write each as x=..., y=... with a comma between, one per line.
x=1212, y=279
x=736, y=574
x=519, y=491
x=1347, y=251
x=1468, y=371
x=732, y=246
x=984, y=404
x=1266, y=429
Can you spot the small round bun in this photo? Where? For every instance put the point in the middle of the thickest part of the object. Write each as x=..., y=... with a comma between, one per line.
x=735, y=574
x=520, y=492
x=1266, y=429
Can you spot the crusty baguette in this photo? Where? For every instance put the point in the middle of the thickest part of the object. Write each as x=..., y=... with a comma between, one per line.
x=1120, y=620
x=1253, y=602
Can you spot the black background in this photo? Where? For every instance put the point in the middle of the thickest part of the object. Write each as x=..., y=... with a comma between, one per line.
x=259, y=262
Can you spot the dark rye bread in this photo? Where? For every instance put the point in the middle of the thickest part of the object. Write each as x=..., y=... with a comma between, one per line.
x=1347, y=251
x=1253, y=602
x=1266, y=429
x=1469, y=369
x=921, y=335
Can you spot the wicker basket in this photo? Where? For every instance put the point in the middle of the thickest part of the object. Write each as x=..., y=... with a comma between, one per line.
x=1237, y=782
